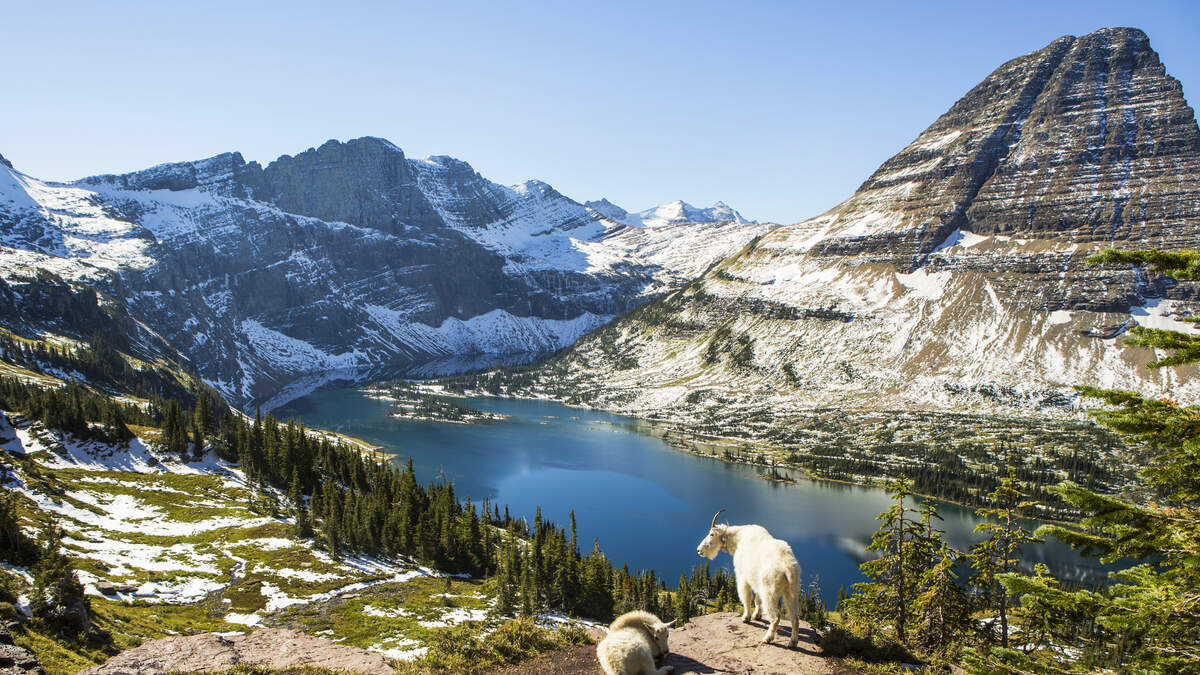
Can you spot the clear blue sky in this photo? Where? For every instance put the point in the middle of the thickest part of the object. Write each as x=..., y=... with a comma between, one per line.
x=780, y=109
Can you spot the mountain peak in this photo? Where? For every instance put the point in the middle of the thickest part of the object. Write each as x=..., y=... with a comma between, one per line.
x=607, y=209
x=1042, y=136
x=226, y=174
x=5, y=162
x=680, y=211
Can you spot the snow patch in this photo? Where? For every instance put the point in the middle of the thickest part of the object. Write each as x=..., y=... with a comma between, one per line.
x=1058, y=317
x=1159, y=313
x=925, y=285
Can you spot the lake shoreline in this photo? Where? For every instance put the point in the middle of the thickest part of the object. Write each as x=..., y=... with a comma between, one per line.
x=619, y=475
x=663, y=432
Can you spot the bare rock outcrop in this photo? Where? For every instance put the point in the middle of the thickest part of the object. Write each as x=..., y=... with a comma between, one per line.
x=721, y=643
x=272, y=648
x=16, y=660
x=714, y=643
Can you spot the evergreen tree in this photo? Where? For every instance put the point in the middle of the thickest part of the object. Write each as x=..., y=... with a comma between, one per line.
x=15, y=546
x=1149, y=620
x=113, y=421
x=58, y=598
x=887, y=598
x=304, y=528
x=1000, y=552
x=174, y=434
x=941, y=603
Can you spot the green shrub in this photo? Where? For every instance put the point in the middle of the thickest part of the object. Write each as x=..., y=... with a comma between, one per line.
x=459, y=649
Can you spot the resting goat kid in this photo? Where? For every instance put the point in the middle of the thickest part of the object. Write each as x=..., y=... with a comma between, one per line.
x=765, y=569
x=636, y=645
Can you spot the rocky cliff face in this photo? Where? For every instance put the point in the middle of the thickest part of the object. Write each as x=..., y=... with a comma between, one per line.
x=954, y=278
x=346, y=257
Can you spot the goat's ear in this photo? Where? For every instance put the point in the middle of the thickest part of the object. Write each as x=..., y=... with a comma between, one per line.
x=669, y=624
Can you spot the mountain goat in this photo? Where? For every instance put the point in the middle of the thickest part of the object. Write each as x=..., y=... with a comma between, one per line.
x=765, y=568
x=636, y=645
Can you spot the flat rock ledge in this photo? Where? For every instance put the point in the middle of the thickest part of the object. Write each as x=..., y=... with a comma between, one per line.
x=714, y=643
x=271, y=648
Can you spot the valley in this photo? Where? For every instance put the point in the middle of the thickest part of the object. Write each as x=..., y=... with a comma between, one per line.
x=945, y=394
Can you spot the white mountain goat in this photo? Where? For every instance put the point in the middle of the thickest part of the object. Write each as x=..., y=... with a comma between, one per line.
x=765, y=568
x=636, y=645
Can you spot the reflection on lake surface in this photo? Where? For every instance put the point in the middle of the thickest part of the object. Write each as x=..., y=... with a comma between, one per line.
x=647, y=504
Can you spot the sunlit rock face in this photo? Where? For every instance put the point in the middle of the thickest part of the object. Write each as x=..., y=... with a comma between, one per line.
x=348, y=257
x=955, y=277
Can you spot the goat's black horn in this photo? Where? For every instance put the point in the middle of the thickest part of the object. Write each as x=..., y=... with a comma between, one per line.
x=714, y=522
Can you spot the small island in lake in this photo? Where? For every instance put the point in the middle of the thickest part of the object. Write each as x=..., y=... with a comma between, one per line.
x=410, y=403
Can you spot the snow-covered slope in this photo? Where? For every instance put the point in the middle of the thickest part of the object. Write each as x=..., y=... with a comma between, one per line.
x=346, y=257
x=671, y=213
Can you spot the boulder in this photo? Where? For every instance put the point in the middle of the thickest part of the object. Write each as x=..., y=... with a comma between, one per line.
x=15, y=660
x=275, y=648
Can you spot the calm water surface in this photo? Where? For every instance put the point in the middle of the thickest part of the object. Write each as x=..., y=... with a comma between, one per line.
x=648, y=504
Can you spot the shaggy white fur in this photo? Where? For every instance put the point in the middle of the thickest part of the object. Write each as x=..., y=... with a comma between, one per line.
x=766, y=571
x=636, y=645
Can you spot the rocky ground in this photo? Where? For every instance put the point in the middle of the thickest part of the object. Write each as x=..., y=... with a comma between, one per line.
x=715, y=643
x=16, y=660
x=271, y=648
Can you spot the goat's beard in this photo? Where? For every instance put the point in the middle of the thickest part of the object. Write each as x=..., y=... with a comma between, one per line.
x=712, y=553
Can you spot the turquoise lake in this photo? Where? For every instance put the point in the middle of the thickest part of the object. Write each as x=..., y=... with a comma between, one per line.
x=648, y=504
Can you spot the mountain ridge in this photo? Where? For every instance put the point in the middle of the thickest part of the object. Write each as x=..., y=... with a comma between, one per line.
x=345, y=257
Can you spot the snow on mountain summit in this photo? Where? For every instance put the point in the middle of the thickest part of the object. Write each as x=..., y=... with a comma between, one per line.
x=607, y=209
x=346, y=256
x=671, y=213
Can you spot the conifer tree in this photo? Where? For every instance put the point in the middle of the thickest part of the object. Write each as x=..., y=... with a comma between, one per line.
x=115, y=428
x=1149, y=620
x=941, y=603
x=887, y=598
x=174, y=435
x=58, y=598
x=1000, y=552
x=15, y=546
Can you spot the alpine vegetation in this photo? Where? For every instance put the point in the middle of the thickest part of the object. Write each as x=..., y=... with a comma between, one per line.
x=766, y=572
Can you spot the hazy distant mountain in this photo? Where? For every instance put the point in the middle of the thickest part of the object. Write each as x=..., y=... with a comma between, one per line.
x=671, y=213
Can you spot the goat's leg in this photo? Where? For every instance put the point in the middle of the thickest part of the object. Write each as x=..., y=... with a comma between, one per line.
x=772, y=613
x=792, y=596
x=747, y=597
